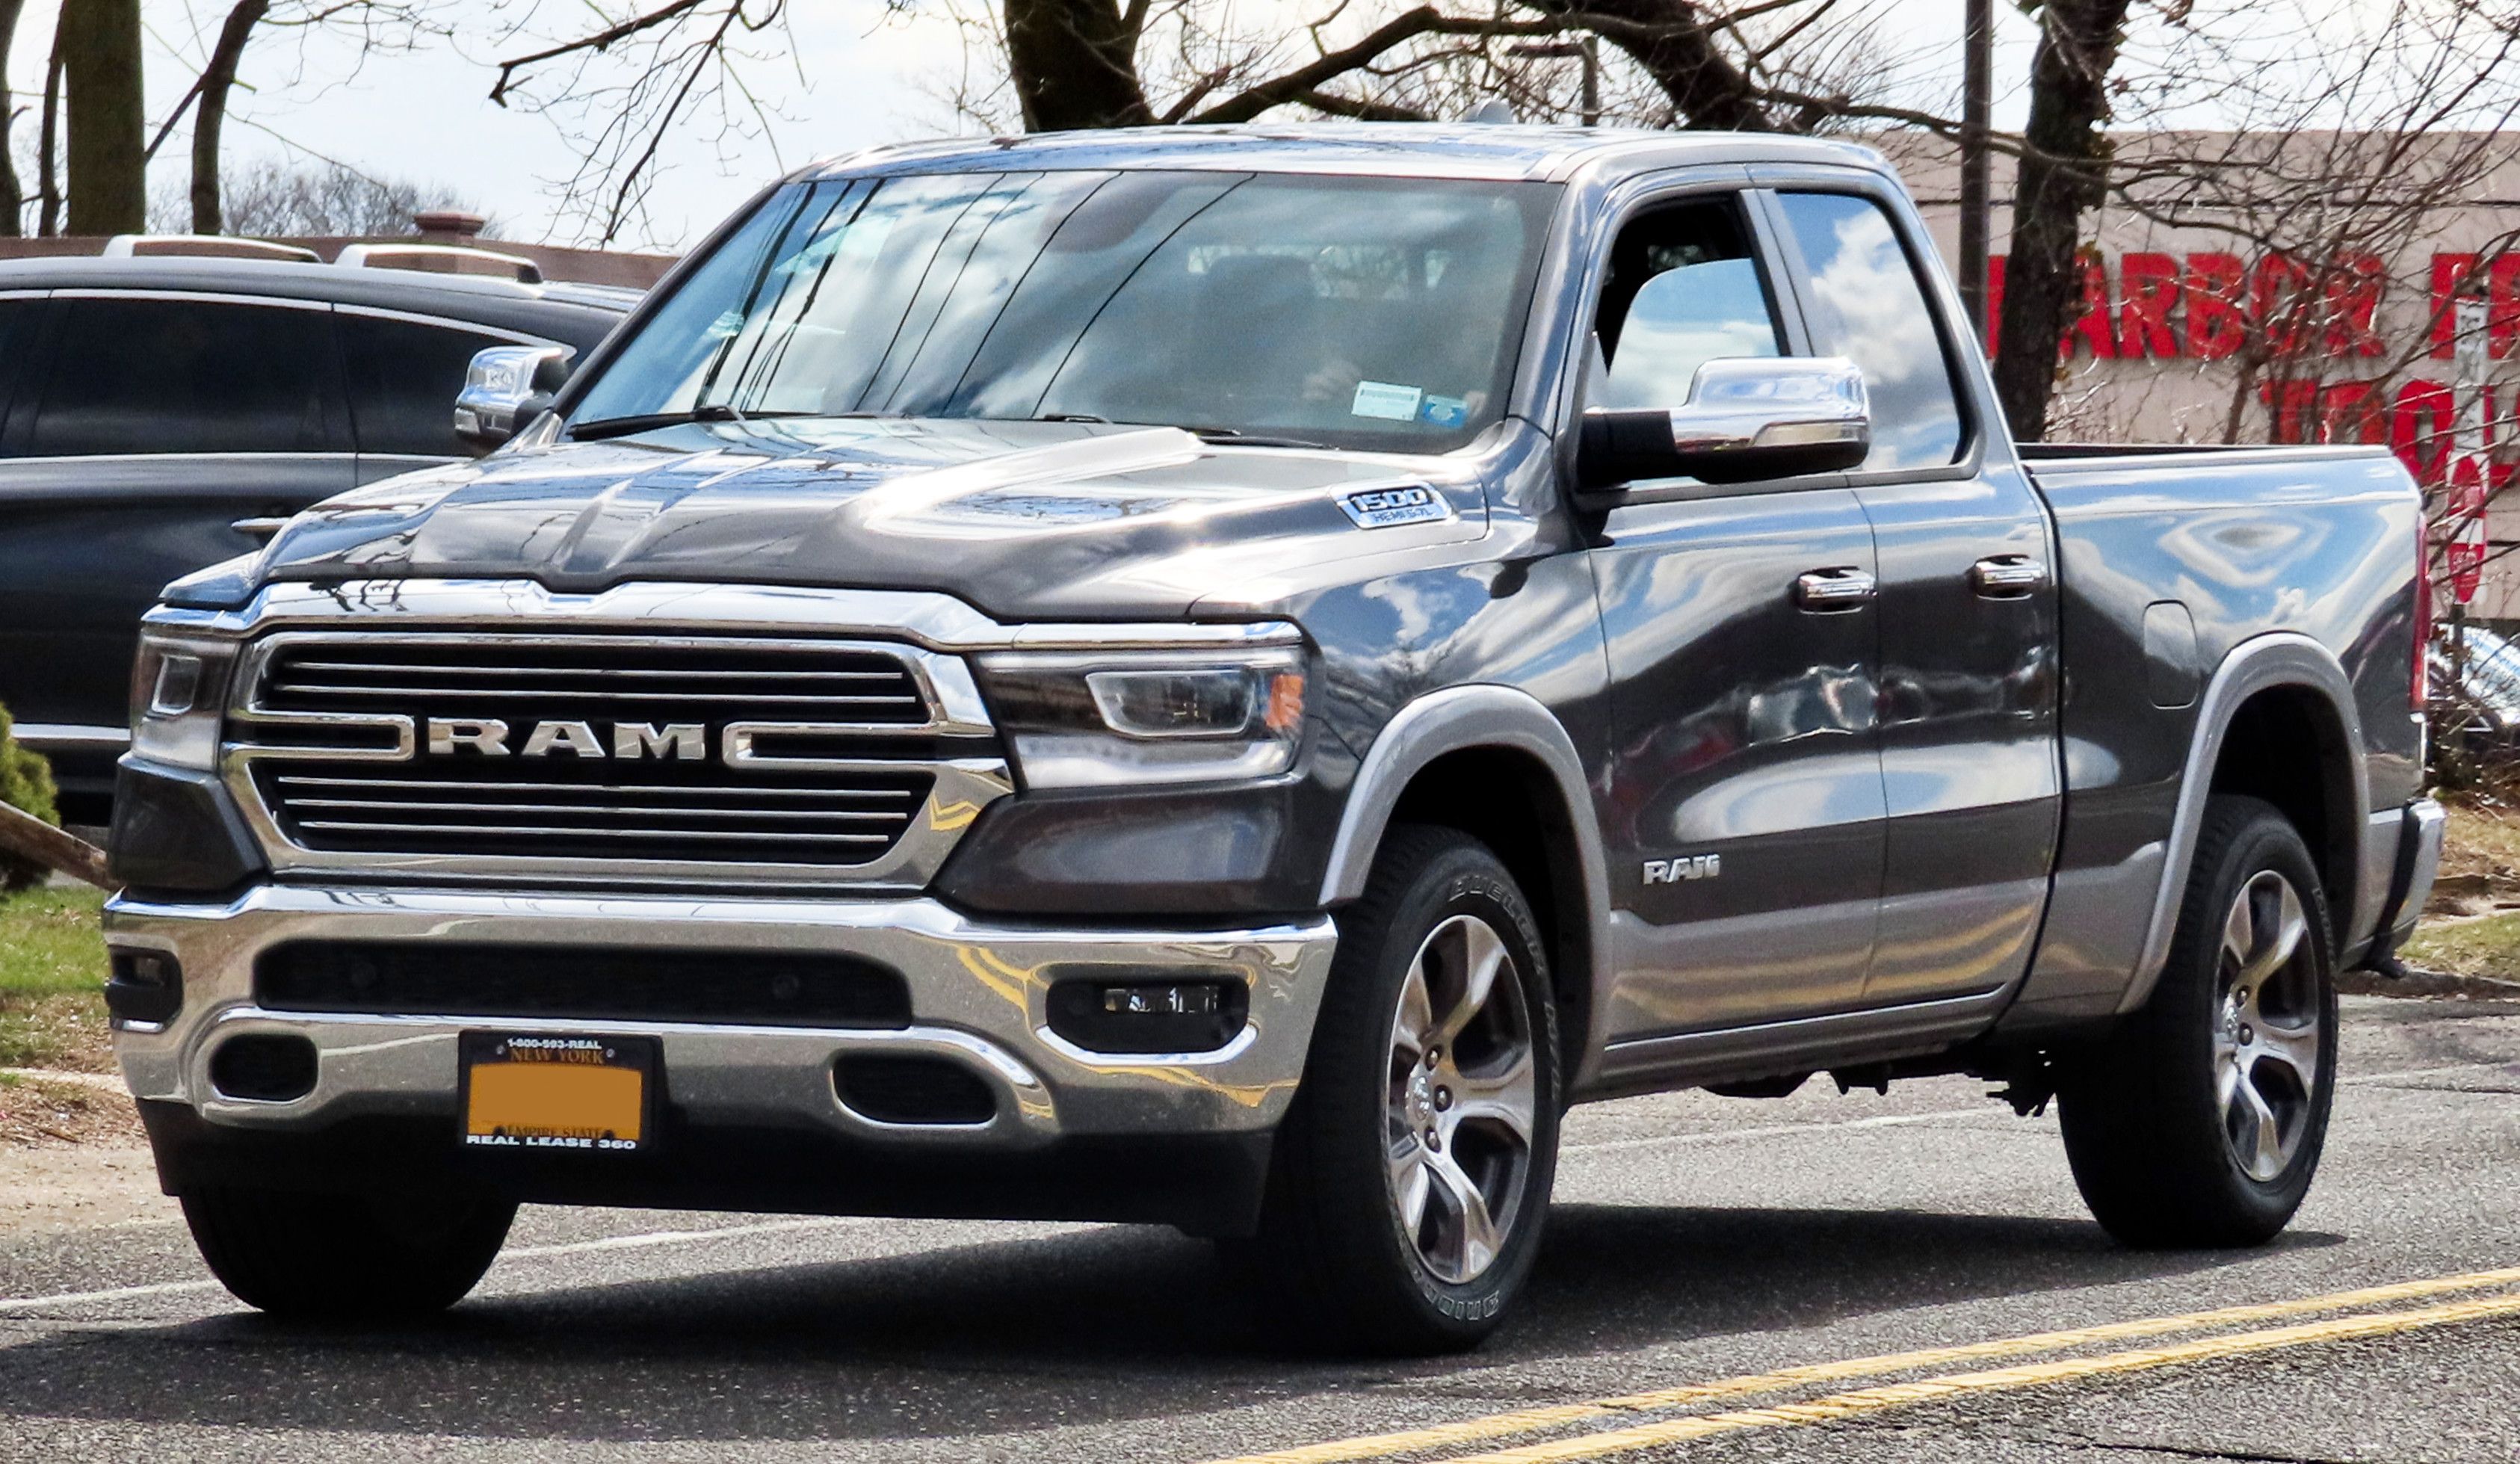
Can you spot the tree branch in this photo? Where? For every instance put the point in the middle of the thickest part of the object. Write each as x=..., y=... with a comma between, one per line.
x=597, y=42
x=1425, y=20
x=1331, y=103
x=33, y=839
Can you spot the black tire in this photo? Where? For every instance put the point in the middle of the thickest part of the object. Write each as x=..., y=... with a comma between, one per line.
x=347, y=1258
x=2162, y=1151
x=1334, y=1241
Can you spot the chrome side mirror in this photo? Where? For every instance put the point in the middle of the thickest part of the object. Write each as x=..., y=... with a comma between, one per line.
x=1748, y=417
x=506, y=387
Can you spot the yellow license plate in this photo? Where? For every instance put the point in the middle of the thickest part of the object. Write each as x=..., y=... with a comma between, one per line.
x=587, y=1093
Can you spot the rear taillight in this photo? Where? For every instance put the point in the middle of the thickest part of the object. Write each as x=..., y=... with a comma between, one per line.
x=2419, y=691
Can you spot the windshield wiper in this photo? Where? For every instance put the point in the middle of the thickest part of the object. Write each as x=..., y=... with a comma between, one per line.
x=1232, y=435
x=1233, y=438
x=649, y=421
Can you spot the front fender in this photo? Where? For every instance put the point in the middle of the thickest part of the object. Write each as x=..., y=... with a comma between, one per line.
x=1474, y=718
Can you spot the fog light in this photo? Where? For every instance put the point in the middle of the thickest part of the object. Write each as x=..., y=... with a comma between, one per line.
x=143, y=987
x=1148, y=1016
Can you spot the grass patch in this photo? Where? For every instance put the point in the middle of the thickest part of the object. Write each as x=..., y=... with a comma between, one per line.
x=2482, y=838
x=52, y=981
x=2487, y=948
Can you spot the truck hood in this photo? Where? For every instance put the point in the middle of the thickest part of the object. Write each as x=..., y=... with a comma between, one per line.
x=1025, y=521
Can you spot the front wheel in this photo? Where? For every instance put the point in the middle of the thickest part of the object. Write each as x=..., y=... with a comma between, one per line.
x=2200, y=1120
x=1414, y=1171
x=346, y=1257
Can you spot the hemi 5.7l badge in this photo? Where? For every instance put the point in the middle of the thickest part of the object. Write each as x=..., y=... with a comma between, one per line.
x=1387, y=508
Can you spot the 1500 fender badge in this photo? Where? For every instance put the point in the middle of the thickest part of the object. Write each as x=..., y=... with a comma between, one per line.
x=1386, y=507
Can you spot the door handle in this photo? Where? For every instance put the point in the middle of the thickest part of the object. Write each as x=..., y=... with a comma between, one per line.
x=2007, y=576
x=1844, y=587
x=259, y=528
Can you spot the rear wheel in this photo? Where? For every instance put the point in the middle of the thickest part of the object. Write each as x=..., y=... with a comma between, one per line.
x=2200, y=1120
x=329, y=1256
x=1414, y=1171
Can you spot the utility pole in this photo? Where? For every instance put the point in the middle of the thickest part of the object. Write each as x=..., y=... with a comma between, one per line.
x=1589, y=51
x=1976, y=109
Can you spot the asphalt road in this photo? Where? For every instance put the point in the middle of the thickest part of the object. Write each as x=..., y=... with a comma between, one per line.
x=1696, y=1240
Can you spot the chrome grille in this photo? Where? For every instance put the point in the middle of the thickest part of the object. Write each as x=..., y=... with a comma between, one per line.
x=678, y=757
x=597, y=814
x=611, y=679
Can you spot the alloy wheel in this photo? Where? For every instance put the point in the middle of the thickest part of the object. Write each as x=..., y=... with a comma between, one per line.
x=1463, y=1099
x=2267, y=1036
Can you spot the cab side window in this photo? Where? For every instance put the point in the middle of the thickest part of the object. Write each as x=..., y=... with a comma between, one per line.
x=1865, y=305
x=158, y=375
x=1684, y=288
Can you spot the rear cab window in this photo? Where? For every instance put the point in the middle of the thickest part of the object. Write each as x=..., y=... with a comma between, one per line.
x=1864, y=302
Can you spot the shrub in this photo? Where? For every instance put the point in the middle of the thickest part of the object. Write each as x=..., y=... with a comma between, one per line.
x=26, y=784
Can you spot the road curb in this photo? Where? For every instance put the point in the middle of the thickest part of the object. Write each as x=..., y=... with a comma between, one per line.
x=2419, y=982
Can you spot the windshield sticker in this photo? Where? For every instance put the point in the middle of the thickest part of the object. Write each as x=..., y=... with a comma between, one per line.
x=1386, y=401
x=1385, y=508
x=1444, y=410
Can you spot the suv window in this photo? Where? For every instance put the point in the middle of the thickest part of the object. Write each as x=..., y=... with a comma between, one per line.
x=403, y=379
x=157, y=376
x=16, y=319
x=1683, y=289
x=1867, y=306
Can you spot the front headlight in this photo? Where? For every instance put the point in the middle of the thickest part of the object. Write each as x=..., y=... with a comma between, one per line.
x=179, y=687
x=1123, y=719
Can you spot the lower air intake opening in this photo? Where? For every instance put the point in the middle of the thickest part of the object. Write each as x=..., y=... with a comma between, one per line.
x=905, y=1090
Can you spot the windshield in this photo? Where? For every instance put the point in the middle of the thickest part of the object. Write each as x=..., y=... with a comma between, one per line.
x=1370, y=313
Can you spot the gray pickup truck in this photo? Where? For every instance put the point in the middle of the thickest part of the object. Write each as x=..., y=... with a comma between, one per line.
x=1226, y=676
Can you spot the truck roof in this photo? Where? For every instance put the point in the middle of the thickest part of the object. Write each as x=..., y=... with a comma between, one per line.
x=1398, y=150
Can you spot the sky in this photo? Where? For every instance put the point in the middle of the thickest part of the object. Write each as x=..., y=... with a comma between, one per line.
x=857, y=75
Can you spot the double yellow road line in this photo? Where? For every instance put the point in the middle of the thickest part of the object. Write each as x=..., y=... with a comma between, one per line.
x=2363, y=1323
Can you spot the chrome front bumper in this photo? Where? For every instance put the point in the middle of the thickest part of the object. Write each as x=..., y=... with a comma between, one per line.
x=977, y=998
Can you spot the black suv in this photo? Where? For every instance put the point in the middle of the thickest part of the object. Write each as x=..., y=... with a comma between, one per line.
x=158, y=415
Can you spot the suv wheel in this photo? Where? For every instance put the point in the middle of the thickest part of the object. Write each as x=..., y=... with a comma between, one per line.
x=1412, y=1173
x=2199, y=1121
x=331, y=1257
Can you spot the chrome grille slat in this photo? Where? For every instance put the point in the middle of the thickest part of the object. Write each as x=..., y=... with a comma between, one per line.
x=584, y=805
x=301, y=779
x=782, y=835
x=565, y=696
x=630, y=810
x=382, y=668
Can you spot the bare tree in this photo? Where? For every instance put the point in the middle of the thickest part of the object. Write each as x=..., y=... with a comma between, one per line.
x=47, y=177
x=211, y=113
x=99, y=50
x=621, y=86
x=269, y=198
x=376, y=25
x=12, y=198
x=2061, y=177
x=619, y=89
